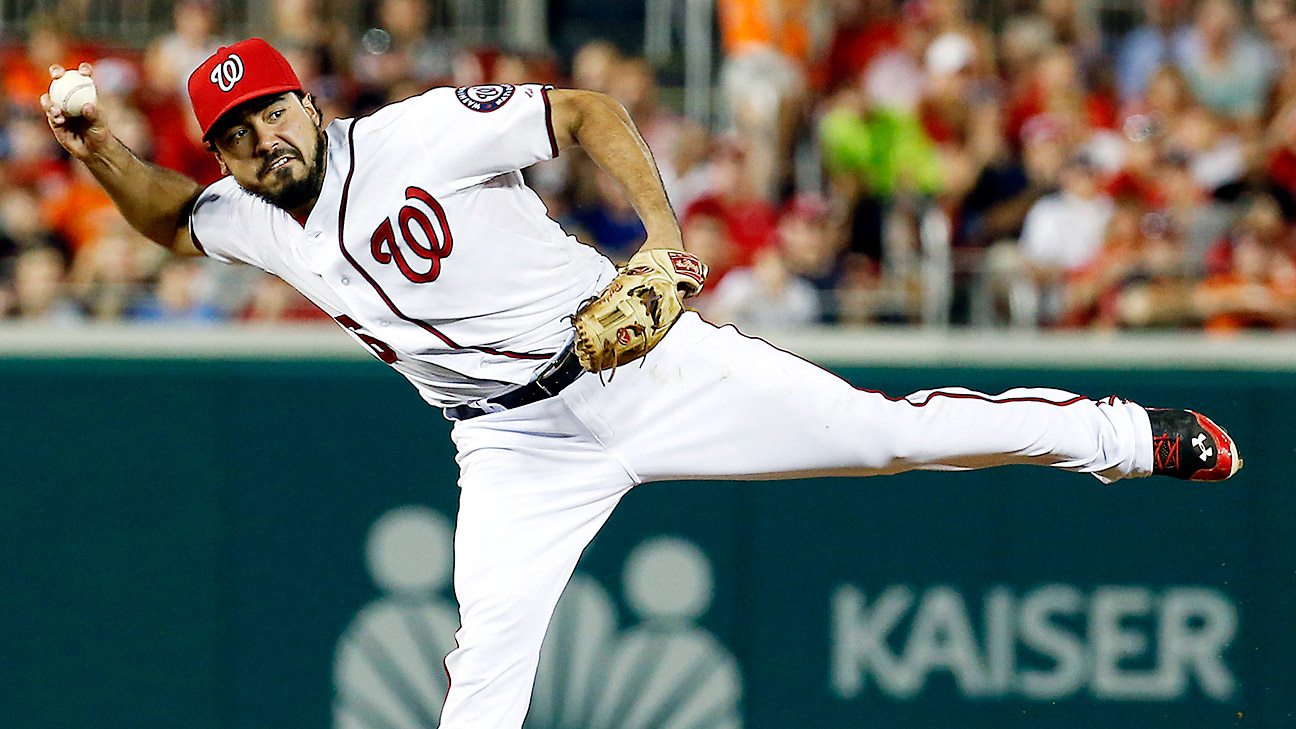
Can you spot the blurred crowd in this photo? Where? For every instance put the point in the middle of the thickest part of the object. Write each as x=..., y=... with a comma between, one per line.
x=869, y=161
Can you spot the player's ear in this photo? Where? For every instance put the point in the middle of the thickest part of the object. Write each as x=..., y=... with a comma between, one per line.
x=219, y=159
x=308, y=102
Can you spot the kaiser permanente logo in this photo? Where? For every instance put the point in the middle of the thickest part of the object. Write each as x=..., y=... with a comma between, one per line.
x=598, y=669
x=1114, y=643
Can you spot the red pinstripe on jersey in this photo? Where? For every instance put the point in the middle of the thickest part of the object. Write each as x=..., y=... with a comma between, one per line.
x=553, y=141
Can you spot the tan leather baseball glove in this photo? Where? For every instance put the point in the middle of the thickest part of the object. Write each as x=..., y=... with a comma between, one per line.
x=636, y=310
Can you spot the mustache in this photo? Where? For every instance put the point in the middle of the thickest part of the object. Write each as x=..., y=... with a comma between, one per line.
x=271, y=160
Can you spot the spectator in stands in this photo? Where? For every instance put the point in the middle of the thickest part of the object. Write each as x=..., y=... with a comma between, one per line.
x=193, y=39
x=39, y=288
x=749, y=218
x=1151, y=46
x=108, y=275
x=872, y=155
x=176, y=140
x=1074, y=24
x=1063, y=232
x=996, y=208
x=79, y=211
x=1215, y=153
x=77, y=208
x=1277, y=20
x=274, y=302
x=1129, y=164
x=946, y=110
x=1228, y=69
x=766, y=46
x=706, y=235
x=1258, y=288
x=633, y=82
x=400, y=57
x=22, y=225
x=813, y=249
x=946, y=16
x=960, y=112
x=1136, y=280
x=30, y=160
x=765, y=295
x=862, y=31
x=685, y=170
x=592, y=65
x=1148, y=118
x=1022, y=43
x=1197, y=219
x=1091, y=290
x=610, y=221
x=1281, y=153
x=297, y=24
x=23, y=69
x=1056, y=88
x=895, y=77
x=1273, y=20
x=174, y=299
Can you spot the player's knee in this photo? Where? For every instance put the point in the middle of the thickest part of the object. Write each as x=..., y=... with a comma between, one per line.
x=510, y=618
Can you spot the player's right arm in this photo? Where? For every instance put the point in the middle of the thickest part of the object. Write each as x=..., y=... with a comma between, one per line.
x=154, y=200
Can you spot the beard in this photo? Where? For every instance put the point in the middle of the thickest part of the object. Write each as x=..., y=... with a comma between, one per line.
x=298, y=193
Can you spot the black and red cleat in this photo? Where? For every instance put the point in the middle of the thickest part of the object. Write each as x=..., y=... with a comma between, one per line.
x=1191, y=446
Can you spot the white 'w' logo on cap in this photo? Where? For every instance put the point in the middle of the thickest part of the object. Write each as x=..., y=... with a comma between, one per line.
x=228, y=72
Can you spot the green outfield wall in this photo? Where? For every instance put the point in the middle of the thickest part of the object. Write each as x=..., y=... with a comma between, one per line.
x=255, y=542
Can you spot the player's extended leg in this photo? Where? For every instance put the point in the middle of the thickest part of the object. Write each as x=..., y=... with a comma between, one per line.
x=535, y=487
x=711, y=402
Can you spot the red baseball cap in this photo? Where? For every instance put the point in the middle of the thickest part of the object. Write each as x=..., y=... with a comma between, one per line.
x=236, y=74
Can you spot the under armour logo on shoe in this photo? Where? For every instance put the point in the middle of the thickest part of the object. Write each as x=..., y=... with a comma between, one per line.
x=1203, y=450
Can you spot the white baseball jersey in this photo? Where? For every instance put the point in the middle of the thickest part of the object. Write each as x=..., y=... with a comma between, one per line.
x=425, y=244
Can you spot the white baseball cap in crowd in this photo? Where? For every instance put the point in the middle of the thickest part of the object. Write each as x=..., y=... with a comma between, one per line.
x=949, y=54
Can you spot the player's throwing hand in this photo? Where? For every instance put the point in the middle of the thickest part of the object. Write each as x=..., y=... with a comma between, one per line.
x=82, y=136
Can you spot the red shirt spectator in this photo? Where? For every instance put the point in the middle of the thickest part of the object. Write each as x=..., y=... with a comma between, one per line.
x=751, y=223
x=855, y=43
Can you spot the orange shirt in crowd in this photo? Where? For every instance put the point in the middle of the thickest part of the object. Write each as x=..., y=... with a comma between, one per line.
x=80, y=212
x=778, y=24
x=23, y=81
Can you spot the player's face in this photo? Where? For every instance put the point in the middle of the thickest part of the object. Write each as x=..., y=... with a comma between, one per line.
x=275, y=150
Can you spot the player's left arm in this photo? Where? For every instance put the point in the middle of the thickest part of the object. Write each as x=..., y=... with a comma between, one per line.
x=635, y=311
x=599, y=124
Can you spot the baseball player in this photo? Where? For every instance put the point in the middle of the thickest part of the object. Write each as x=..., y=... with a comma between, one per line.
x=413, y=228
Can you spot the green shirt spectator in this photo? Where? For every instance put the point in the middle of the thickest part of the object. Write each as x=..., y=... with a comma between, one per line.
x=887, y=149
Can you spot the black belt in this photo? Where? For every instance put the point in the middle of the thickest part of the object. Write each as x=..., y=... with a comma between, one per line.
x=560, y=375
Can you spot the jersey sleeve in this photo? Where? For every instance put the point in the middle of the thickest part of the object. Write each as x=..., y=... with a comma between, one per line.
x=473, y=133
x=216, y=224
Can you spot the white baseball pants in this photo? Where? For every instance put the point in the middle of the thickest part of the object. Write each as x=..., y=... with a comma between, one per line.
x=537, y=482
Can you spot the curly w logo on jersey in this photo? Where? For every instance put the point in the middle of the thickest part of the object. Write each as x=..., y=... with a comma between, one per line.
x=426, y=244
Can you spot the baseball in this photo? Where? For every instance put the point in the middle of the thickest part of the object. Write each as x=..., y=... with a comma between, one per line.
x=72, y=91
